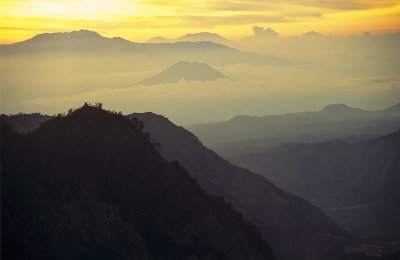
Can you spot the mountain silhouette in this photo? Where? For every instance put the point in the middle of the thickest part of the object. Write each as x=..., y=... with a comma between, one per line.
x=293, y=227
x=92, y=185
x=86, y=45
x=75, y=41
x=24, y=123
x=204, y=36
x=81, y=35
x=183, y=70
x=248, y=134
x=158, y=39
x=339, y=108
x=354, y=183
x=193, y=37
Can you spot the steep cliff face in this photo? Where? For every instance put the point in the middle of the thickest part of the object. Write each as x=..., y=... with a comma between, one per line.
x=92, y=185
x=294, y=228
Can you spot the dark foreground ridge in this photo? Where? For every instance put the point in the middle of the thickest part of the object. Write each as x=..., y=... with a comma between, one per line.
x=92, y=185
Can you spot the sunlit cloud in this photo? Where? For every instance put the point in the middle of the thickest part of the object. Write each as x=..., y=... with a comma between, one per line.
x=143, y=19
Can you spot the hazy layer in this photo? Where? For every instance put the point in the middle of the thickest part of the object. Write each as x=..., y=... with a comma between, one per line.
x=317, y=70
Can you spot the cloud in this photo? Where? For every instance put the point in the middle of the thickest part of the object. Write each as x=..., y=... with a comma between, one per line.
x=312, y=34
x=257, y=5
x=143, y=19
x=347, y=4
x=369, y=84
x=261, y=32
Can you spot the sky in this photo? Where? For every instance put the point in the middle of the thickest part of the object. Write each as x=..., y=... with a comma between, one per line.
x=139, y=20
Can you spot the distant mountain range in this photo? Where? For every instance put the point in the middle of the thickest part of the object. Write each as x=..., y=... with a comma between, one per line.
x=92, y=185
x=193, y=37
x=248, y=134
x=85, y=44
x=187, y=71
x=357, y=184
x=73, y=63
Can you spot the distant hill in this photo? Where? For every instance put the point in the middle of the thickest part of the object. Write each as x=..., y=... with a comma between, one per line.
x=194, y=37
x=158, y=39
x=342, y=109
x=70, y=42
x=204, y=36
x=248, y=134
x=24, y=123
x=187, y=71
x=357, y=184
x=293, y=227
x=92, y=185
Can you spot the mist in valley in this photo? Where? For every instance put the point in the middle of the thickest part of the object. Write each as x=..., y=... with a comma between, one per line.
x=269, y=74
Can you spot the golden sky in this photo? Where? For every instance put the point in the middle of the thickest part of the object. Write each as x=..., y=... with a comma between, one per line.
x=139, y=20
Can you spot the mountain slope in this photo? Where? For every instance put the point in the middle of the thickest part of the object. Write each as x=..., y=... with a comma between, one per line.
x=393, y=109
x=91, y=185
x=355, y=183
x=184, y=71
x=293, y=227
x=249, y=134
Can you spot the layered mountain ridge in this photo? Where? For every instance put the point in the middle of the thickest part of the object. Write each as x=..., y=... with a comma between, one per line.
x=249, y=134
x=201, y=36
x=92, y=43
x=355, y=183
x=293, y=227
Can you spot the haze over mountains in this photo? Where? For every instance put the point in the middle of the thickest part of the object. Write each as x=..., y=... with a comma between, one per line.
x=247, y=134
x=61, y=70
x=354, y=183
x=187, y=71
x=210, y=130
x=193, y=37
x=76, y=64
x=90, y=42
